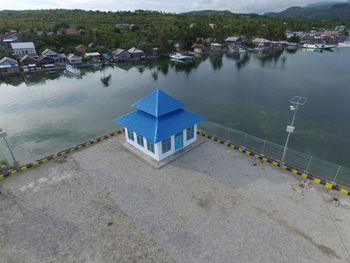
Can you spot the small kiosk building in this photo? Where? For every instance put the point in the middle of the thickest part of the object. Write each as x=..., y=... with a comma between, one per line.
x=160, y=127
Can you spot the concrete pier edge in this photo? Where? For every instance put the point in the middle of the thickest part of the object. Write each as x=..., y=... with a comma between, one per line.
x=309, y=176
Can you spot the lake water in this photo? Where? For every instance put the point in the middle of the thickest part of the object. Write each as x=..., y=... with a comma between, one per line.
x=46, y=113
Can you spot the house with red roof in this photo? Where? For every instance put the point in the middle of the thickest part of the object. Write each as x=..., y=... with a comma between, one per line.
x=72, y=31
x=80, y=48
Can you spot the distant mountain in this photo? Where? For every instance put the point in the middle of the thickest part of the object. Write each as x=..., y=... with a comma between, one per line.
x=320, y=4
x=210, y=12
x=327, y=11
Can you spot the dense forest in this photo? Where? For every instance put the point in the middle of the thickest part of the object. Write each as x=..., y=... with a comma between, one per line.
x=152, y=28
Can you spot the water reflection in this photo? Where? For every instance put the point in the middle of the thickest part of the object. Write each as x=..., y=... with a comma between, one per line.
x=243, y=61
x=273, y=55
x=216, y=60
x=48, y=112
x=106, y=80
x=156, y=66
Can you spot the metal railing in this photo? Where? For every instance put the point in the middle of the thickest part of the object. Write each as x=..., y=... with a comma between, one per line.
x=301, y=161
x=304, y=162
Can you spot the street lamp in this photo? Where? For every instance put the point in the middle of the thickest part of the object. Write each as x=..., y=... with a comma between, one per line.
x=296, y=101
x=3, y=135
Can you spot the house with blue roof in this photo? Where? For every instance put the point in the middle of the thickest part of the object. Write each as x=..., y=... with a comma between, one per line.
x=160, y=126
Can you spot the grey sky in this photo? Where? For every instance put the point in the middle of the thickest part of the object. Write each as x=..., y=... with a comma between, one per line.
x=237, y=6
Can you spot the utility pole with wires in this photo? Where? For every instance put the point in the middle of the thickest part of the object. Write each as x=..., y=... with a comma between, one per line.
x=296, y=101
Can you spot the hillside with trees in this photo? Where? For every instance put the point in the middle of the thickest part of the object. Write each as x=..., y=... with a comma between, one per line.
x=149, y=28
x=325, y=11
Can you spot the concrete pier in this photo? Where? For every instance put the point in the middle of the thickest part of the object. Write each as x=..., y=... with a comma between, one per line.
x=212, y=204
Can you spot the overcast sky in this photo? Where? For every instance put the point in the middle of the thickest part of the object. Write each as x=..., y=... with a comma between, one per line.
x=177, y=6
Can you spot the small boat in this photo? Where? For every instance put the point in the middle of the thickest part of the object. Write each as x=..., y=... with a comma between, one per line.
x=179, y=56
x=344, y=44
x=72, y=70
x=318, y=46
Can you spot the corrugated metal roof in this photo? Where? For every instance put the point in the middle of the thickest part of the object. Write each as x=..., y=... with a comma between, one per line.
x=8, y=60
x=233, y=39
x=118, y=51
x=158, y=129
x=135, y=50
x=260, y=40
x=158, y=103
x=22, y=45
x=92, y=54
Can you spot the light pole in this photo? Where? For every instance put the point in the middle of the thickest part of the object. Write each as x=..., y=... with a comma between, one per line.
x=297, y=100
x=3, y=135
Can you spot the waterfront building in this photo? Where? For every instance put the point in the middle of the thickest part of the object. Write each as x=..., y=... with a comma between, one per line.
x=21, y=49
x=74, y=59
x=45, y=62
x=160, y=127
x=50, y=53
x=95, y=56
x=8, y=66
x=121, y=54
x=136, y=53
x=28, y=62
x=215, y=47
x=233, y=42
x=58, y=58
x=262, y=42
x=198, y=48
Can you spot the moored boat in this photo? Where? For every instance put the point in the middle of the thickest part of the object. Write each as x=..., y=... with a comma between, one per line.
x=179, y=56
x=318, y=46
x=72, y=70
x=344, y=44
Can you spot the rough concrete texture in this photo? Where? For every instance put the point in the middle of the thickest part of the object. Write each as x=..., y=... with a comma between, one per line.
x=213, y=204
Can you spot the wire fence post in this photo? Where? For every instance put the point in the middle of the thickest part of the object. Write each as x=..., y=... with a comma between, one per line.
x=308, y=164
x=335, y=177
x=263, y=150
x=325, y=170
x=245, y=140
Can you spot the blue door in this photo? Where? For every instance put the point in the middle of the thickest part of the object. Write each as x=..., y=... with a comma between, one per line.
x=179, y=142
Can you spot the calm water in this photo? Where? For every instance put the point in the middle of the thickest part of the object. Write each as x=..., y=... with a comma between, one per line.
x=46, y=113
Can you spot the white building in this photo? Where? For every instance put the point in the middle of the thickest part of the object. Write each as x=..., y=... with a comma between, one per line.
x=23, y=48
x=160, y=127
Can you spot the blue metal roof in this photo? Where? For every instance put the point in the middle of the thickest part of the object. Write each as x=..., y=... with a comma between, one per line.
x=158, y=103
x=157, y=129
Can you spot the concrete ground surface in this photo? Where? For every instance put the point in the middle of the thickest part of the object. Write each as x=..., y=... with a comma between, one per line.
x=213, y=204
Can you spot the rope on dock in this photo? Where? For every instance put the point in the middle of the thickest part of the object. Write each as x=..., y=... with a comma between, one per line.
x=327, y=184
x=59, y=154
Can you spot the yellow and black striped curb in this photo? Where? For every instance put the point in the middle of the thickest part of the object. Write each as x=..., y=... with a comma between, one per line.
x=59, y=154
x=246, y=151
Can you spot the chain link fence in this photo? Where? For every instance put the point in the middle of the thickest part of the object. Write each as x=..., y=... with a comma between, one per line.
x=301, y=161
